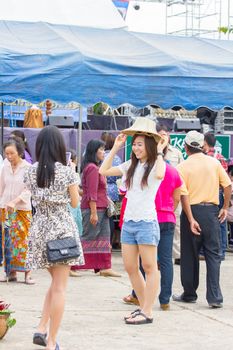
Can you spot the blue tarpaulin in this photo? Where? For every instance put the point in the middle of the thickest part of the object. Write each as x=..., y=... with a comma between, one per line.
x=69, y=63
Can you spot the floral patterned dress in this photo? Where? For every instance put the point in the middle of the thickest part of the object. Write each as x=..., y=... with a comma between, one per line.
x=14, y=227
x=14, y=232
x=52, y=219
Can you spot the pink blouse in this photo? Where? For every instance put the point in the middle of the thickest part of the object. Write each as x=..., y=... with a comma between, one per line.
x=12, y=186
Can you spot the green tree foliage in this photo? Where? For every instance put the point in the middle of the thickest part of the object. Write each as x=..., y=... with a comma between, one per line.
x=226, y=30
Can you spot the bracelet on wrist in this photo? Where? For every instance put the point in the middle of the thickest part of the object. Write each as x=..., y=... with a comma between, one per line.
x=160, y=154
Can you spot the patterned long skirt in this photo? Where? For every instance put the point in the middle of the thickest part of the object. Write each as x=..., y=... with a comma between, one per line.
x=14, y=239
x=96, y=242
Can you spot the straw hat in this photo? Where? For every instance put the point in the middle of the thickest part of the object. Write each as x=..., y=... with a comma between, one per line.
x=143, y=126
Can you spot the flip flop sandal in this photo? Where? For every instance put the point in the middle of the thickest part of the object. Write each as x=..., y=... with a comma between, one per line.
x=133, y=320
x=40, y=339
x=10, y=279
x=135, y=312
x=29, y=280
x=131, y=300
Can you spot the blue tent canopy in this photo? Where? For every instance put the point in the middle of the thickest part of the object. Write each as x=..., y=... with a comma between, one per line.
x=69, y=63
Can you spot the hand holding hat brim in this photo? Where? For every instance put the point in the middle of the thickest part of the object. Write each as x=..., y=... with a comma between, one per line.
x=120, y=140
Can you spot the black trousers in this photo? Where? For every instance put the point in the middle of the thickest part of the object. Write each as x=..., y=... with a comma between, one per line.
x=207, y=217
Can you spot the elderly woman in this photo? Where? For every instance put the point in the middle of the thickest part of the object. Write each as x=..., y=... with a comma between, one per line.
x=27, y=154
x=15, y=207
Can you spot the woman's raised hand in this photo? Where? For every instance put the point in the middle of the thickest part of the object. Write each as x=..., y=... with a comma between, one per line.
x=120, y=141
x=163, y=142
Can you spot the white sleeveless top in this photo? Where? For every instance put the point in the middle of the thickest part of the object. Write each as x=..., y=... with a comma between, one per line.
x=140, y=201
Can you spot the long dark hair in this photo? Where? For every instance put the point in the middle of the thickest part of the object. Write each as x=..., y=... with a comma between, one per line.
x=151, y=150
x=50, y=148
x=90, y=152
x=20, y=134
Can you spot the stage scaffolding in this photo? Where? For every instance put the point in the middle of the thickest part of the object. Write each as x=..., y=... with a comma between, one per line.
x=200, y=18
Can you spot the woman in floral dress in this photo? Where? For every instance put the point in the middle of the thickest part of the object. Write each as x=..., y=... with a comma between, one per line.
x=53, y=185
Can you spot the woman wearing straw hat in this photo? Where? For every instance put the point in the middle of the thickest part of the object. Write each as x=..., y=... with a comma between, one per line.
x=140, y=232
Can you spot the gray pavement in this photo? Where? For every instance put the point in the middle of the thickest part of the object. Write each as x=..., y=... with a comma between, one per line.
x=94, y=314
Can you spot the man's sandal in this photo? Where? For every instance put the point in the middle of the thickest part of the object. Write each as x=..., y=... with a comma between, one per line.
x=130, y=299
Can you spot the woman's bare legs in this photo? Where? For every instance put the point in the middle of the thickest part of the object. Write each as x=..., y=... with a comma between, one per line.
x=148, y=255
x=42, y=327
x=60, y=274
x=54, y=302
x=145, y=290
x=130, y=254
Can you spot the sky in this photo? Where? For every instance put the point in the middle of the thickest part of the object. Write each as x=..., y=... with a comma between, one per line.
x=151, y=17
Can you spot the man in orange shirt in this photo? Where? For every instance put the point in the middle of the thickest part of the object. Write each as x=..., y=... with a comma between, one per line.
x=200, y=218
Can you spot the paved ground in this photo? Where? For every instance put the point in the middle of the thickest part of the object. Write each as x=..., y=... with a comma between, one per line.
x=94, y=313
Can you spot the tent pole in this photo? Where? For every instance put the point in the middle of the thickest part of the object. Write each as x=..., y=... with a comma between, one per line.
x=79, y=139
x=2, y=128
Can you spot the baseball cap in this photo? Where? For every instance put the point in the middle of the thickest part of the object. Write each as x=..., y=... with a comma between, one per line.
x=194, y=139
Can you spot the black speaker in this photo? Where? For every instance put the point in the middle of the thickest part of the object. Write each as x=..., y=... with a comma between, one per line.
x=61, y=121
x=187, y=124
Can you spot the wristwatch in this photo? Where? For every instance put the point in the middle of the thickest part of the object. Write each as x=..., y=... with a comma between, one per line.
x=160, y=154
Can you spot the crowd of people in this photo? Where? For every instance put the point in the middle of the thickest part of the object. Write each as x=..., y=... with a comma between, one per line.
x=171, y=209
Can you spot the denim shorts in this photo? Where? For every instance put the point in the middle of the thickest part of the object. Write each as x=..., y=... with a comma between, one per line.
x=140, y=232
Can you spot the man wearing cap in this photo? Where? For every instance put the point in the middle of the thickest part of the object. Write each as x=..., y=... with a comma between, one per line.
x=200, y=218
